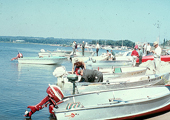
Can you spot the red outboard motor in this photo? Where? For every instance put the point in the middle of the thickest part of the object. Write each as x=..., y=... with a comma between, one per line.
x=53, y=98
x=18, y=56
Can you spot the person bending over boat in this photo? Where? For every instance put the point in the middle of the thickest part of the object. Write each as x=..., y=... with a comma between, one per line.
x=108, y=54
x=77, y=63
x=90, y=75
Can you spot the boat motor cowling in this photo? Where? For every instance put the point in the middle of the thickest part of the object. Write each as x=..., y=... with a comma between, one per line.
x=53, y=98
x=72, y=78
x=55, y=93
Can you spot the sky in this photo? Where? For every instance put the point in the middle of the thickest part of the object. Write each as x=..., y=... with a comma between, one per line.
x=135, y=20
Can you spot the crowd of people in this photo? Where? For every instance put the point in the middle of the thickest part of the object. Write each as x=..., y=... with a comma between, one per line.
x=74, y=48
x=79, y=67
x=146, y=50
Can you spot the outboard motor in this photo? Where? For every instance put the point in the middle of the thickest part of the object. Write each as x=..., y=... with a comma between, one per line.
x=18, y=56
x=60, y=73
x=72, y=78
x=54, y=97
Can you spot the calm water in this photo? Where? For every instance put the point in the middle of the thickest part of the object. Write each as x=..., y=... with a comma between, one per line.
x=23, y=84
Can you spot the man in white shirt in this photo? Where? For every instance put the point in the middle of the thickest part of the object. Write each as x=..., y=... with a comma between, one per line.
x=157, y=56
x=73, y=46
x=148, y=49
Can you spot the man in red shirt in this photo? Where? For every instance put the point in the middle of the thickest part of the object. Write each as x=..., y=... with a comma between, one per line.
x=134, y=55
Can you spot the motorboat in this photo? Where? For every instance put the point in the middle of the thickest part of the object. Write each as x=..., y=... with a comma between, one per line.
x=88, y=53
x=48, y=53
x=126, y=56
x=102, y=57
x=124, y=83
x=105, y=104
x=111, y=80
x=41, y=60
x=165, y=56
x=122, y=72
x=108, y=63
x=118, y=104
x=109, y=75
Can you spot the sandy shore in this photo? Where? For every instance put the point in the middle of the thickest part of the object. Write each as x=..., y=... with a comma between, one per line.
x=165, y=116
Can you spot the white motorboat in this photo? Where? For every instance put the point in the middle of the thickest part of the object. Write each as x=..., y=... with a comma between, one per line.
x=114, y=104
x=108, y=74
x=87, y=59
x=60, y=53
x=105, y=104
x=124, y=83
x=121, y=72
x=108, y=64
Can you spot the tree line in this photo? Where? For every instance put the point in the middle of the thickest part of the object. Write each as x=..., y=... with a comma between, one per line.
x=51, y=40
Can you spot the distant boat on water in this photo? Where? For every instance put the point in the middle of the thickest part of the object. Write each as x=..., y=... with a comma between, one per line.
x=39, y=60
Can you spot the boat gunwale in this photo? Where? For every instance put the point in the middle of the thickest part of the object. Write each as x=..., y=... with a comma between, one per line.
x=111, y=83
x=137, y=101
x=42, y=58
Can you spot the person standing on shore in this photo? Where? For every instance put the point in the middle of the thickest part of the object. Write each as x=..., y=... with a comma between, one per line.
x=148, y=49
x=144, y=48
x=140, y=55
x=97, y=48
x=113, y=56
x=157, y=56
x=73, y=46
x=83, y=47
x=134, y=56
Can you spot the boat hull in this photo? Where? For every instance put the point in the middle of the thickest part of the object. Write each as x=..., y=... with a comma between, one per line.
x=89, y=59
x=41, y=60
x=108, y=75
x=133, y=103
x=124, y=83
x=109, y=64
x=124, y=72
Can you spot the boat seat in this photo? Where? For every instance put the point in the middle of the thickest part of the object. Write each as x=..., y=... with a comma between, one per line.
x=117, y=70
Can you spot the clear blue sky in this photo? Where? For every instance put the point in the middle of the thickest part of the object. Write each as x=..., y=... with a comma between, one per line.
x=136, y=20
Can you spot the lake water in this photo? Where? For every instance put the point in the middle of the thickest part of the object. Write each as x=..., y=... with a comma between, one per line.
x=24, y=84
